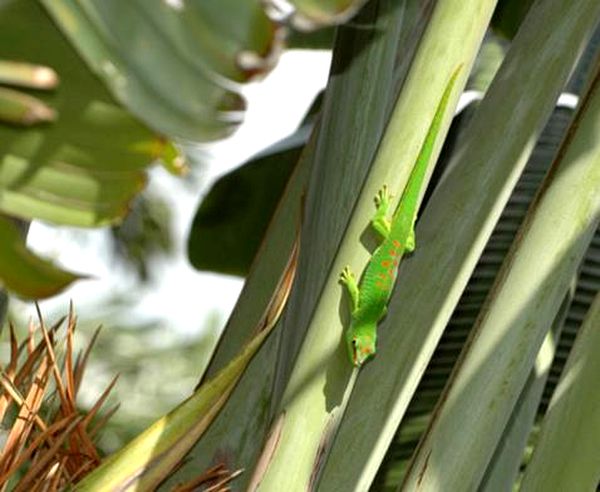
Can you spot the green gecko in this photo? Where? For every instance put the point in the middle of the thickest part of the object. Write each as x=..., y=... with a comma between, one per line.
x=369, y=298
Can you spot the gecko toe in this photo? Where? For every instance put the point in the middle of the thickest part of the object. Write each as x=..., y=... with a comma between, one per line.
x=346, y=274
x=383, y=196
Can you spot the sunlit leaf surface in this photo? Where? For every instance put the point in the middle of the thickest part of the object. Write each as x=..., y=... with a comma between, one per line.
x=84, y=168
x=172, y=63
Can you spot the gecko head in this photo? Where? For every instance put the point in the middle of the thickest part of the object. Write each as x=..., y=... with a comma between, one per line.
x=361, y=345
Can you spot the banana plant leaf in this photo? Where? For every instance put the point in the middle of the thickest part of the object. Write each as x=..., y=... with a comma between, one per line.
x=173, y=64
x=84, y=168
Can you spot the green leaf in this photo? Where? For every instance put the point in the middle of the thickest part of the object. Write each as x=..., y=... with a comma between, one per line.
x=503, y=468
x=508, y=456
x=246, y=414
x=84, y=169
x=453, y=230
x=25, y=273
x=525, y=298
x=231, y=221
x=316, y=40
x=573, y=420
x=173, y=66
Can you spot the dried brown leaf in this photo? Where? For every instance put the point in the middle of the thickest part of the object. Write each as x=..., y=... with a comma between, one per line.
x=47, y=435
x=35, y=353
x=10, y=370
x=216, y=471
x=102, y=421
x=81, y=362
x=41, y=465
x=61, y=452
x=28, y=414
x=60, y=387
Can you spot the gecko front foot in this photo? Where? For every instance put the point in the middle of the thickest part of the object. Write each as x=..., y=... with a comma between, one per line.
x=349, y=280
x=380, y=222
x=347, y=277
x=382, y=198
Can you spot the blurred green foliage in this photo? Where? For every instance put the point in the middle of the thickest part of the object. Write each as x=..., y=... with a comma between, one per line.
x=145, y=234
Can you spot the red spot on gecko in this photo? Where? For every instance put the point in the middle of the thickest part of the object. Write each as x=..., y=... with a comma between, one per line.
x=395, y=263
x=381, y=276
x=393, y=252
x=396, y=243
x=385, y=263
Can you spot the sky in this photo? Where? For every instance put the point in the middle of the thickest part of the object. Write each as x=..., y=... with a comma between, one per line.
x=182, y=298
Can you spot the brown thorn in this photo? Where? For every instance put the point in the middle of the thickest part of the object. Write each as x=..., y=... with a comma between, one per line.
x=219, y=485
x=210, y=474
x=46, y=435
x=38, y=468
x=28, y=414
x=69, y=377
x=65, y=403
x=14, y=350
x=87, y=419
x=80, y=364
x=102, y=421
x=34, y=354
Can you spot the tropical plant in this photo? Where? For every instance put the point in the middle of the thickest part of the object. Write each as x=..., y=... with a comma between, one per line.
x=47, y=440
x=506, y=260
x=82, y=169
x=317, y=429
